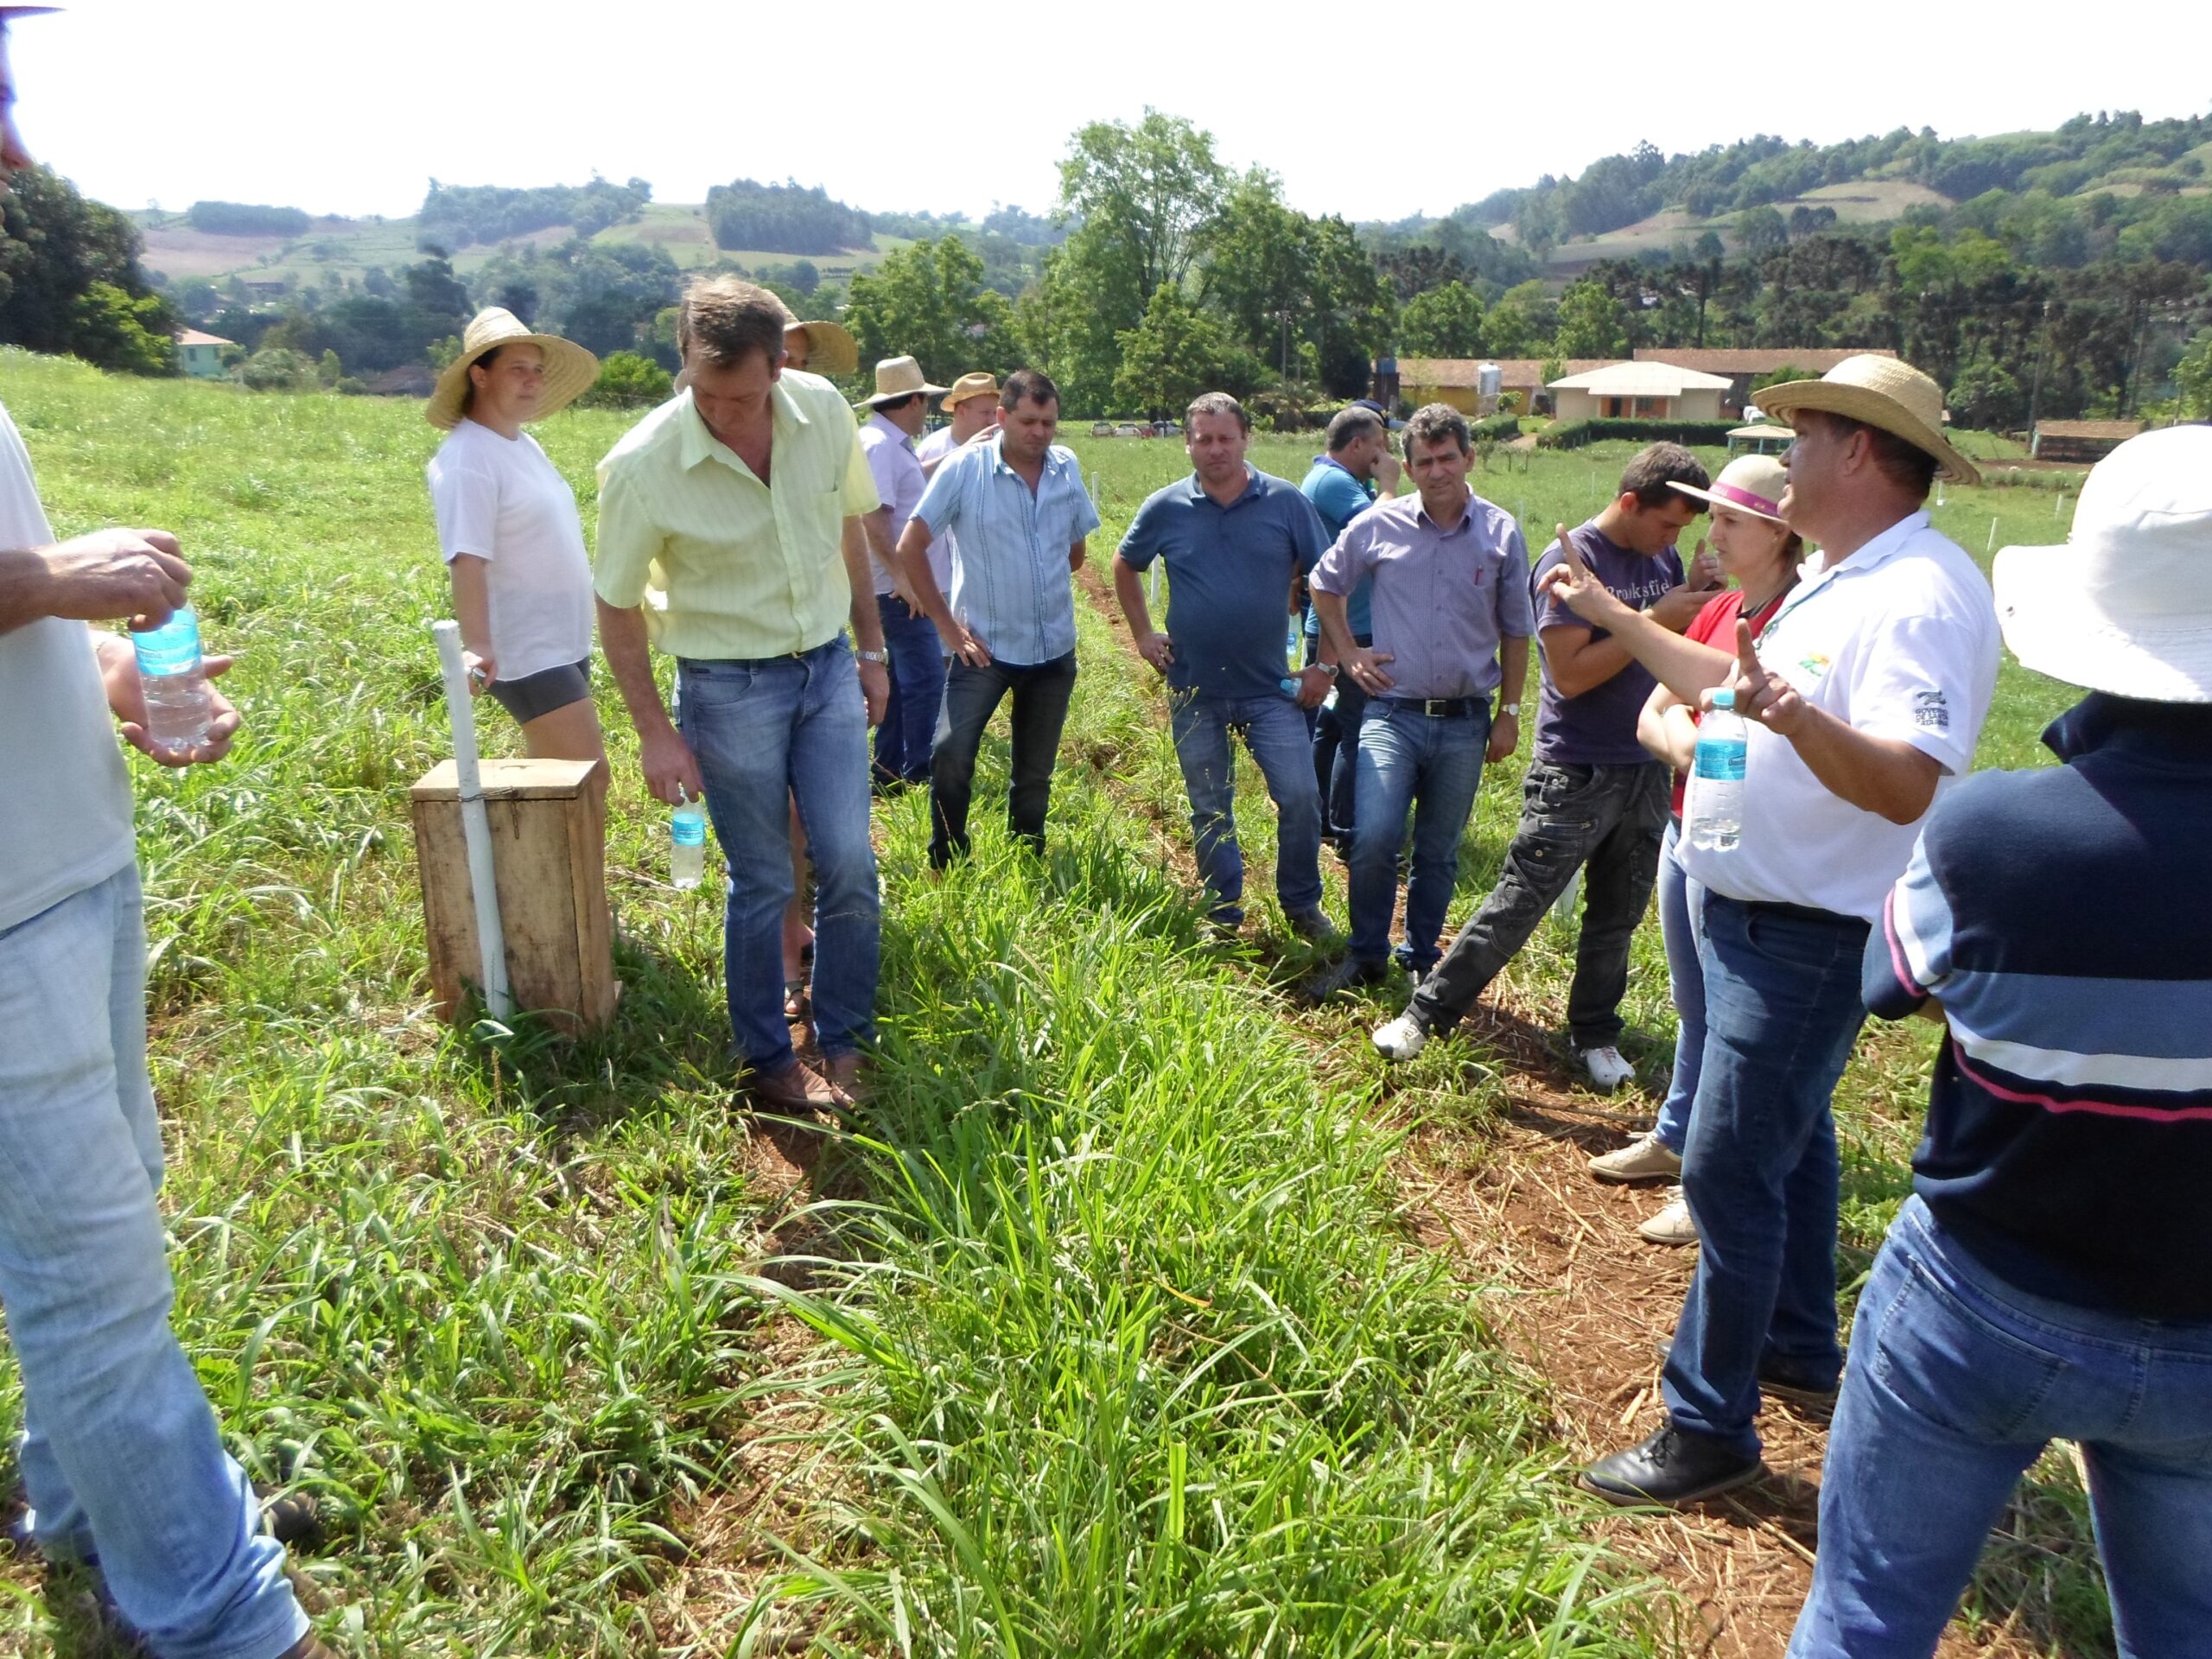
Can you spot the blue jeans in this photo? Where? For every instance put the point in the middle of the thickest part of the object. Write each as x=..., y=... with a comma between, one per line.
x=1682, y=924
x=1040, y=693
x=764, y=731
x=1782, y=1010
x=121, y=1456
x=902, y=737
x=1336, y=749
x=1274, y=731
x=1608, y=818
x=1957, y=1383
x=1434, y=766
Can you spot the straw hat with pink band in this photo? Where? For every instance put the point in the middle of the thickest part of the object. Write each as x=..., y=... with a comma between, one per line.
x=1752, y=484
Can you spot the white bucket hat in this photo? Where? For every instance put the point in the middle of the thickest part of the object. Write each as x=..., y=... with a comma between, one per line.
x=2125, y=605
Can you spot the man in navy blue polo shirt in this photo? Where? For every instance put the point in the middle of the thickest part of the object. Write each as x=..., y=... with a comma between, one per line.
x=2051, y=1276
x=1235, y=541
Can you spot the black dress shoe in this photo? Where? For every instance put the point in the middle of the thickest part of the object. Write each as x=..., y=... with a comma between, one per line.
x=1672, y=1467
x=1348, y=975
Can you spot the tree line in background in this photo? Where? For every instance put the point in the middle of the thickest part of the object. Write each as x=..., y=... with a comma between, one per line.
x=1163, y=272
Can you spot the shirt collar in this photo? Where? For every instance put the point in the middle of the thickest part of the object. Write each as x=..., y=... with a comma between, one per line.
x=994, y=446
x=1196, y=490
x=1466, y=518
x=876, y=419
x=1883, y=548
x=699, y=444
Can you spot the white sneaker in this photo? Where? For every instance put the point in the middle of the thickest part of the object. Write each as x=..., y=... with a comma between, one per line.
x=1672, y=1225
x=1647, y=1158
x=1607, y=1070
x=1402, y=1038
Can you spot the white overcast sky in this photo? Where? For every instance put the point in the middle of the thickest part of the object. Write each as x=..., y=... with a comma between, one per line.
x=1373, y=110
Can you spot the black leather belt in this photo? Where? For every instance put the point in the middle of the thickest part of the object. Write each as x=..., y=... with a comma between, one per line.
x=1440, y=707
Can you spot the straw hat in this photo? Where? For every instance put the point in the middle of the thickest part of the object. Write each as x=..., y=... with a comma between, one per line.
x=976, y=384
x=830, y=347
x=569, y=369
x=1879, y=392
x=1750, y=483
x=898, y=377
x=2125, y=605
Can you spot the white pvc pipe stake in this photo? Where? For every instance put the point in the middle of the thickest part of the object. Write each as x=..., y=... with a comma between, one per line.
x=1990, y=546
x=475, y=827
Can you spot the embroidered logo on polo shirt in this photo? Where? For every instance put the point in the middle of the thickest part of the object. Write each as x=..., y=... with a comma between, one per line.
x=1931, y=709
x=1815, y=664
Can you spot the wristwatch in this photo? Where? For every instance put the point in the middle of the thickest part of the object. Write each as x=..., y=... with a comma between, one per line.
x=873, y=656
x=1512, y=709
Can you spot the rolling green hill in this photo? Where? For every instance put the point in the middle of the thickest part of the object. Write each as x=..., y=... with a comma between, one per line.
x=347, y=248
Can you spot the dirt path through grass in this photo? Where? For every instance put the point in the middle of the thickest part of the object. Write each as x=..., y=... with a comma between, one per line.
x=1575, y=1293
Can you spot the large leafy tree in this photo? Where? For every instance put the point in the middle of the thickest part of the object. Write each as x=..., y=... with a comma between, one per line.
x=1590, y=323
x=1143, y=198
x=70, y=280
x=1176, y=352
x=930, y=301
x=1445, y=321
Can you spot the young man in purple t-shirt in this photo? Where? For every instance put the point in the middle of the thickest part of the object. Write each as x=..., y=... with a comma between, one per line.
x=1592, y=794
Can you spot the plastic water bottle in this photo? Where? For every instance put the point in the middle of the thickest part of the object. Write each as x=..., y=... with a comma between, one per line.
x=1716, y=791
x=177, y=706
x=687, y=852
x=1288, y=686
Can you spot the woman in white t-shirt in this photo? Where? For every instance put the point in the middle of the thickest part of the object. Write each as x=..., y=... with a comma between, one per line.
x=508, y=527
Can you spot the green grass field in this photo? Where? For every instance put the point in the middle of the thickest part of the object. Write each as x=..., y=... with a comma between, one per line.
x=1108, y=1338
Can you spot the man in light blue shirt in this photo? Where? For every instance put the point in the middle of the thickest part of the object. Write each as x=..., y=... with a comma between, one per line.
x=1017, y=506
x=1358, y=471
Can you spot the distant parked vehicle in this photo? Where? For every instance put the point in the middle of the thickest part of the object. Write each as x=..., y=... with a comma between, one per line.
x=1103, y=429
x=1128, y=432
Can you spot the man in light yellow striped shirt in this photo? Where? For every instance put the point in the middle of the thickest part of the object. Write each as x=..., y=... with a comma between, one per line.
x=730, y=536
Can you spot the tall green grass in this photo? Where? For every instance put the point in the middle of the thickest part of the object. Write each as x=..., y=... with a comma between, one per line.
x=1115, y=1343
x=1103, y=1335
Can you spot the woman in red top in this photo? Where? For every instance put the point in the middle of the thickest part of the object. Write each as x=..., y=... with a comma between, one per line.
x=1762, y=554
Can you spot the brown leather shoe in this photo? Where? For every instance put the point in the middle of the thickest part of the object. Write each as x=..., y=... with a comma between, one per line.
x=844, y=1071
x=795, y=1090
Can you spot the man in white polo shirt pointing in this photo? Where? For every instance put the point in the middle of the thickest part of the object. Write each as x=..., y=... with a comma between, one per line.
x=1864, y=696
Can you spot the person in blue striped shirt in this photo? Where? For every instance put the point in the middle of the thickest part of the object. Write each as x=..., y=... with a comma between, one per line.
x=2051, y=1276
x=1021, y=518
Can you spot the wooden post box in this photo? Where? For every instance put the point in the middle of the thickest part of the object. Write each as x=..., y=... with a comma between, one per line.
x=548, y=844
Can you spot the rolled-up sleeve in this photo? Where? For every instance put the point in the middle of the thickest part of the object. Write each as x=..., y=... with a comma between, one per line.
x=1140, y=541
x=1083, y=512
x=1921, y=689
x=860, y=493
x=629, y=542
x=1516, y=612
x=1306, y=533
x=1345, y=565
x=940, y=502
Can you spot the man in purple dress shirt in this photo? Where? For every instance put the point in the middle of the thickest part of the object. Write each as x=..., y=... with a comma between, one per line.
x=1452, y=619
x=1591, y=794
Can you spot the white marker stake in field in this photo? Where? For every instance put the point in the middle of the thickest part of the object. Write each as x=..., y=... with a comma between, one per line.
x=475, y=827
x=1990, y=546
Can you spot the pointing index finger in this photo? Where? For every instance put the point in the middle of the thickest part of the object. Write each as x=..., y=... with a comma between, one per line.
x=1747, y=656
